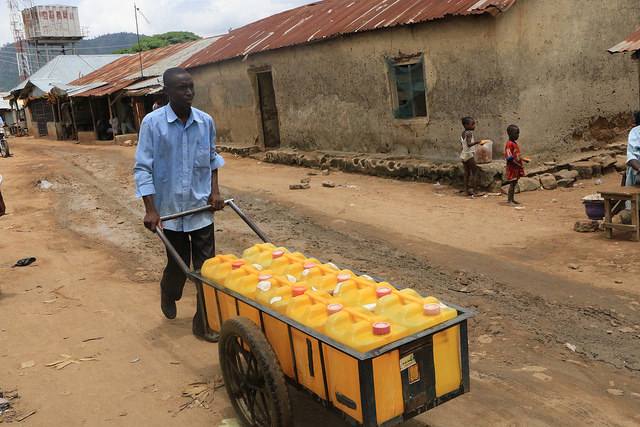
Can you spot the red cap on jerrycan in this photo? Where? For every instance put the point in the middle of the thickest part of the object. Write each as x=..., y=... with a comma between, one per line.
x=237, y=264
x=381, y=328
x=382, y=291
x=334, y=308
x=298, y=290
x=431, y=309
x=277, y=253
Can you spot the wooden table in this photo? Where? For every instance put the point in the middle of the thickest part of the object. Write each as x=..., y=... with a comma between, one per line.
x=614, y=201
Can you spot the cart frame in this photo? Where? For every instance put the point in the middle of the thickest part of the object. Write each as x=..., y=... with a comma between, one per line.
x=419, y=340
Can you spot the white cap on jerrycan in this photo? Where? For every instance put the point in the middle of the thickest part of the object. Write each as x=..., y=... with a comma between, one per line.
x=264, y=283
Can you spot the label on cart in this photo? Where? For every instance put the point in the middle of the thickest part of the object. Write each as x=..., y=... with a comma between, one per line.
x=407, y=361
x=414, y=374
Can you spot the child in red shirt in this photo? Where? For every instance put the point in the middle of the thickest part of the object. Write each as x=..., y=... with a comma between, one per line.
x=515, y=168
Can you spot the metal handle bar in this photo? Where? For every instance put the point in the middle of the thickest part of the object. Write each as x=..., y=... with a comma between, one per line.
x=176, y=256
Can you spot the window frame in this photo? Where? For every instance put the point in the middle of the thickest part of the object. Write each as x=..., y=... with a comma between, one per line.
x=393, y=87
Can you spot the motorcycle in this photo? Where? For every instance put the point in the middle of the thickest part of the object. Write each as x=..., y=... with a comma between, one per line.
x=4, y=145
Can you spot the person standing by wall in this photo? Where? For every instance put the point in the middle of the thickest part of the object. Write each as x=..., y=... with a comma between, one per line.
x=176, y=169
x=633, y=152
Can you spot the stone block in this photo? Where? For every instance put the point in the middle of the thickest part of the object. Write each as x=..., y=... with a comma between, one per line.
x=621, y=163
x=566, y=174
x=565, y=182
x=548, y=181
x=528, y=184
x=586, y=226
x=584, y=169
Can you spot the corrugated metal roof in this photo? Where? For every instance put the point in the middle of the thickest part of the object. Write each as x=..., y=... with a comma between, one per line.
x=126, y=71
x=331, y=18
x=630, y=44
x=62, y=69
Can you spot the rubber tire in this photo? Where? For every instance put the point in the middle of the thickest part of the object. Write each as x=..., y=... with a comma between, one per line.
x=4, y=149
x=275, y=387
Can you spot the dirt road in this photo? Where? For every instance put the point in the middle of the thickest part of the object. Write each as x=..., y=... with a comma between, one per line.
x=91, y=300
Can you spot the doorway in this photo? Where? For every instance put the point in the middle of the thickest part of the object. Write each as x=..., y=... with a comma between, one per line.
x=268, y=110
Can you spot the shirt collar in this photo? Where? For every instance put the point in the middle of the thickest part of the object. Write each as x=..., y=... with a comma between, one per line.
x=172, y=117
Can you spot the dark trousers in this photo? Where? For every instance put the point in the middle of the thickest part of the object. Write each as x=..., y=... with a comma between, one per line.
x=198, y=245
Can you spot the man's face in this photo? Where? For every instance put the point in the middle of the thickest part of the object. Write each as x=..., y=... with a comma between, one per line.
x=180, y=90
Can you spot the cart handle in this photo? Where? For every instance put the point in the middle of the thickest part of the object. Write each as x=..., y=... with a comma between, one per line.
x=229, y=202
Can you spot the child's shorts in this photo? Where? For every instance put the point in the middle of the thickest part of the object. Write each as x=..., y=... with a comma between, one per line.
x=466, y=156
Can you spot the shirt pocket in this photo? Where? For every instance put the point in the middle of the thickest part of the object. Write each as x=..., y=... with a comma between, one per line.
x=202, y=156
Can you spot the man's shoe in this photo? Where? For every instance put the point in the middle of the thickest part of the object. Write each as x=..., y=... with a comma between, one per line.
x=168, y=306
x=198, y=330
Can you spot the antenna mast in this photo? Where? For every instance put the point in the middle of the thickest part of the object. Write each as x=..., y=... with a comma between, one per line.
x=17, y=28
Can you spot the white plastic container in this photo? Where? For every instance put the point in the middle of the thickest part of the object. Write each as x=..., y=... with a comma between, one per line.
x=484, y=151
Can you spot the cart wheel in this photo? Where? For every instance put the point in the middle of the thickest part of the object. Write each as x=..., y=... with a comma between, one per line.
x=252, y=375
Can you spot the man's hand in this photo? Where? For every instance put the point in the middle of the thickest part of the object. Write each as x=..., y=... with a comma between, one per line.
x=216, y=202
x=2, y=207
x=151, y=217
x=152, y=220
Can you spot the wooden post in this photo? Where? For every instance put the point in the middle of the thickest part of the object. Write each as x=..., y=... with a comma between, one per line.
x=93, y=118
x=111, y=116
x=73, y=119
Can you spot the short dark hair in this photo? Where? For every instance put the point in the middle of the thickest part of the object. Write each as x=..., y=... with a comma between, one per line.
x=636, y=117
x=170, y=73
x=466, y=120
x=512, y=128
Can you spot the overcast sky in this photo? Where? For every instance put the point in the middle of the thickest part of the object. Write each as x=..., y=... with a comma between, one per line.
x=203, y=17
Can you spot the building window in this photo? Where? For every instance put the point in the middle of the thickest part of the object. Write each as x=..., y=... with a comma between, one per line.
x=408, y=87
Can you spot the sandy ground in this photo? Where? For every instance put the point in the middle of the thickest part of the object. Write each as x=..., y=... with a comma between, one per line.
x=91, y=300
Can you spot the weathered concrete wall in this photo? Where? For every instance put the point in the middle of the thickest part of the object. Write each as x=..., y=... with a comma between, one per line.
x=542, y=65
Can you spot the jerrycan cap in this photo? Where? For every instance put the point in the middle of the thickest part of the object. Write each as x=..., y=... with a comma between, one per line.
x=343, y=277
x=334, y=308
x=237, y=264
x=264, y=277
x=298, y=290
x=277, y=253
x=381, y=328
x=382, y=291
x=431, y=309
x=309, y=265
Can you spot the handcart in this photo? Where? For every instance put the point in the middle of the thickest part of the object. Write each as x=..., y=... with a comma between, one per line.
x=260, y=350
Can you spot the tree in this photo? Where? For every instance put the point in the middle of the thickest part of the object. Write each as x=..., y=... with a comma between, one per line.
x=160, y=40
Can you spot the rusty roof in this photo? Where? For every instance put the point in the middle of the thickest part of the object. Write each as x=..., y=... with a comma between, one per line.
x=630, y=44
x=126, y=70
x=332, y=18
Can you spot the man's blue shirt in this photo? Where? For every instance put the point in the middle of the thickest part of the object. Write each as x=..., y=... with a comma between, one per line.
x=174, y=164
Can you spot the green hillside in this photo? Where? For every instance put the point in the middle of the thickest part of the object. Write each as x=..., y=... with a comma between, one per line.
x=96, y=46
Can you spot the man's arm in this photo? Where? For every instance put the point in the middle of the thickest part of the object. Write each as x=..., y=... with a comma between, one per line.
x=143, y=174
x=2, y=207
x=215, y=200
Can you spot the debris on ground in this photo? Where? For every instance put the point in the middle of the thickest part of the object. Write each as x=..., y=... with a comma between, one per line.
x=67, y=360
x=299, y=186
x=24, y=262
x=201, y=393
x=328, y=184
x=305, y=180
x=7, y=410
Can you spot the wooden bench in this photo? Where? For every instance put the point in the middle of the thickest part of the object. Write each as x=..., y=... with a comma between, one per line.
x=614, y=202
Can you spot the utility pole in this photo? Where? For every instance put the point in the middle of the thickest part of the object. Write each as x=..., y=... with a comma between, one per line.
x=135, y=10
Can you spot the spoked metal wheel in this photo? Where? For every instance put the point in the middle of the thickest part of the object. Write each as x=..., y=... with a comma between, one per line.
x=252, y=375
x=4, y=148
